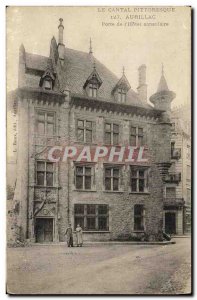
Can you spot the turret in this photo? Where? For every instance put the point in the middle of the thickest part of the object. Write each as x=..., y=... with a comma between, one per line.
x=163, y=97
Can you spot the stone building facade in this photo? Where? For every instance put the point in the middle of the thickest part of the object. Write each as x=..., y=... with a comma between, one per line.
x=177, y=201
x=70, y=98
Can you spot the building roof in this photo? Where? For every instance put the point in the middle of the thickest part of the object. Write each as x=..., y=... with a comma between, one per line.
x=76, y=69
x=162, y=86
x=37, y=62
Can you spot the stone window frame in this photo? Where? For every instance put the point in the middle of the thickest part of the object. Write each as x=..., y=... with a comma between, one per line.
x=111, y=131
x=46, y=81
x=136, y=135
x=140, y=216
x=46, y=122
x=91, y=215
x=45, y=173
x=83, y=175
x=112, y=166
x=139, y=178
x=85, y=129
x=92, y=90
x=122, y=95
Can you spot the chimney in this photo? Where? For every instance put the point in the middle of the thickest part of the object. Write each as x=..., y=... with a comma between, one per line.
x=61, y=46
x=142, y=88
x=61, y=32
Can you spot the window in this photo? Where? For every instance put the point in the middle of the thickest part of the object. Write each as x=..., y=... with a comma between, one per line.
x=92, y=216
x=45, y=123
x=121, y=95
x=172, y=148
x=45, y=173
x=188, y=196
x=84, y=177
x=139, y=179
x=47, y=84
x=136, y=136
x=188, y=172
x=112, y=178
x=111, y=134
x=170, y=192
x=93, y=90
x=139, y=217
x=84, y=131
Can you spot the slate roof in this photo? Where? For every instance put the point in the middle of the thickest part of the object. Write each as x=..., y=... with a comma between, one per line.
x=77, y=68
x=162, y=86
x=37, y=62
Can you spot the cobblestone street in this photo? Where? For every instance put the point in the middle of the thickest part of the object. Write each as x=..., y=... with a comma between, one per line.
x=100, y=269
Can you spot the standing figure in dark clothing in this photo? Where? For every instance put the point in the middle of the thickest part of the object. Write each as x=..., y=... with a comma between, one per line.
x=69, y=235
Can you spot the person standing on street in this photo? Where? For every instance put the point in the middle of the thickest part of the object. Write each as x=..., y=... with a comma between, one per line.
x=69, y=235
x=79, y=233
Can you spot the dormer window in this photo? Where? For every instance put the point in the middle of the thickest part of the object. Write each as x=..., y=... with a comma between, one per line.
x=121, y=95
x=48, y=79
x=47, y=84
x=93, y=90
x=120, y=89
x=92, y=84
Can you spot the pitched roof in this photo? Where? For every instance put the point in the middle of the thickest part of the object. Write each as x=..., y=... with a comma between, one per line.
x=37, y=62
x=162, y=86
x=122, y=83
x=94, y=77
x=77, y=68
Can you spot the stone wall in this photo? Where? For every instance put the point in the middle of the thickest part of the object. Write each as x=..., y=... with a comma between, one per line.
x=121, y=203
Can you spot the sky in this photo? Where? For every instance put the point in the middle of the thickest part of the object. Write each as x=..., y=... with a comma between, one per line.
x=115, y=46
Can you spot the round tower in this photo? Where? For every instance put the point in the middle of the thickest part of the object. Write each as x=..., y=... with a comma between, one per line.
x=163, y=97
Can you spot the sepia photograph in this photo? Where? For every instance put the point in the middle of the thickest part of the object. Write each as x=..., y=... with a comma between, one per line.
x=99, y=146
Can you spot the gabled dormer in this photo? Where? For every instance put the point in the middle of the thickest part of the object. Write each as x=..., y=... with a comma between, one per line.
x=93, y=83
x=121, y=88
x=48, y=79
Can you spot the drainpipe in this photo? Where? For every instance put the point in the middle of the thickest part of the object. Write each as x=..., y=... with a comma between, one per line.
x=68, y=96
x=68, y=171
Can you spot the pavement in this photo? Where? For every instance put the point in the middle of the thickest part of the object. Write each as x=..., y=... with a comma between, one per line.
x=101, y=269
x=96, y=243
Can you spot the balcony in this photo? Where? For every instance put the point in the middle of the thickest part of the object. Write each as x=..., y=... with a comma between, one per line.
x=174, y=202
x=173, y=178
x=176, y=153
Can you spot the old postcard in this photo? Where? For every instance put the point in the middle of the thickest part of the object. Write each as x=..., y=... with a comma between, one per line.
x=99, y=150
